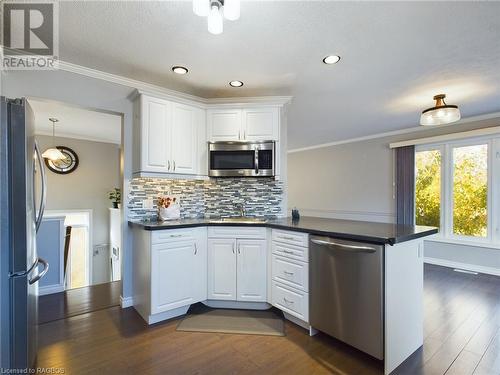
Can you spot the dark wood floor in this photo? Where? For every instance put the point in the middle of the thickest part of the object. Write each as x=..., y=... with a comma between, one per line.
x=78, y=301
x=462, y=336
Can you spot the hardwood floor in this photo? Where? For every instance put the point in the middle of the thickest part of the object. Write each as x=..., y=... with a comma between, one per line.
x=78, y=301
x=462, y=336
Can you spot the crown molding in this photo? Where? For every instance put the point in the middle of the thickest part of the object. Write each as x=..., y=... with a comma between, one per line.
x=165, y=93
x=414, y=129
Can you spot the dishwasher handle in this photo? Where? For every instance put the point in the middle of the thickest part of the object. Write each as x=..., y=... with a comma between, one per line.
x=351, y=248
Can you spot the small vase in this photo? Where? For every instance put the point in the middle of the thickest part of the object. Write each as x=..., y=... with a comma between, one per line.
x=115, y=204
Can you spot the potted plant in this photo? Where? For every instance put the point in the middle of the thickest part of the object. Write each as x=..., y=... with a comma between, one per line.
x=115, y=196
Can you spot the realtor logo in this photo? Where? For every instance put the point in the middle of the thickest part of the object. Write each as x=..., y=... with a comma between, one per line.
x=30, y=35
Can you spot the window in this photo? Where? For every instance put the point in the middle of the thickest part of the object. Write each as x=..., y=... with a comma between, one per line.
x=470, y=190
x=428, y=188
x=457, y=189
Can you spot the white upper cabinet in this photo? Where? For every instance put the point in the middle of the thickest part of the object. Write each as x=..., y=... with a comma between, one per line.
x=184, y=139
x=170, y=138
x=224, y=124
x=155, y=115
x=251, y=271
x=261, y=124
x=252, y=124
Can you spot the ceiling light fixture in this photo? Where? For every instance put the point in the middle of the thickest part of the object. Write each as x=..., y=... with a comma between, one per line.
x=331, y=59
x=236, y=83
x=53, y=153
x=179, y=69
x=216, y=11
x=441, y=113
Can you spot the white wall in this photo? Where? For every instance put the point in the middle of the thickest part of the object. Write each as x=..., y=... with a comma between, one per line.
x=90, y=93
x=355, y=181
x=87, y=188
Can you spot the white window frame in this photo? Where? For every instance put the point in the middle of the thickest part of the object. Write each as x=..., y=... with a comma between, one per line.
x=493, y=198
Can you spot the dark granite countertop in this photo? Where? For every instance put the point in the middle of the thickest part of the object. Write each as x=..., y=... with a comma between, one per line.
x=372, y=232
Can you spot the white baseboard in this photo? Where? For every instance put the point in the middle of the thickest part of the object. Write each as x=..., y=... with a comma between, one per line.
x=50, y=289
x=463, y=266
x=219, y=304
x=126, y=302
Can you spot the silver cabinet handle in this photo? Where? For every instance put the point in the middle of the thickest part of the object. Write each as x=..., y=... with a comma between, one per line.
x=353, y=248
x=195, y=249
x=175, y=235
x=239, y=248
x=41, y=274
x=286, y=300
x=233, y=248
x=287, y=251
x=168, y=165
x=43, y=198
x=174, y=164
x=286, y=237
x=244, y=134
x=288, y=273
x=256, y=160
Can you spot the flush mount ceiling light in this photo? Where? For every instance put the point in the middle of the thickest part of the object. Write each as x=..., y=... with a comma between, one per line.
x=441, y=113
x=236, y=83
x=216, y=11
x=179, y=69
x=53, y=153
x=331, y=59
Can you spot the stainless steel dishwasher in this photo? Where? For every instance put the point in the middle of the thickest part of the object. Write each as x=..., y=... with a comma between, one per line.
x=345, y=292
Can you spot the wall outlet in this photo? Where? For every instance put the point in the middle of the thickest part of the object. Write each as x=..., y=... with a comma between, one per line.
x=147, y=203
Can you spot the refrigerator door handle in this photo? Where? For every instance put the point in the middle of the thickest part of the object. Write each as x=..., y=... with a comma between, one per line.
x=41, y=274
x=43, y=198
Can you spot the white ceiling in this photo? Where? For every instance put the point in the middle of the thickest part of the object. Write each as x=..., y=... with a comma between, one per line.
x=395, y=57
x=75, y=122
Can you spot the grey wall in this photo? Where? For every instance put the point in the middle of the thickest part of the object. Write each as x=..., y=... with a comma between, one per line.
x=355, y=181
x=85, y=92
x=86, y=188
x=50, y=246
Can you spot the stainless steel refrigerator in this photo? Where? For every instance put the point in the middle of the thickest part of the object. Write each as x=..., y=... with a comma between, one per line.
x=20, y=216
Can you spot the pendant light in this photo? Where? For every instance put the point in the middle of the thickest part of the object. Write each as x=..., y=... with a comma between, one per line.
x=53, y=153
x=216, y=11
x=441, y=113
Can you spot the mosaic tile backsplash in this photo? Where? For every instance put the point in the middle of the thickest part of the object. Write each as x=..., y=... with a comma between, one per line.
x=213, y=198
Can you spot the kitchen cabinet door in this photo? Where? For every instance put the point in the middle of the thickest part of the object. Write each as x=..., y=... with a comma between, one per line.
x=155, y=121
x=199, y=275
x=222, y=269
x=224, y=124
x=183, y=139
x=261, y=124
x=173, y=275
x=252, y=270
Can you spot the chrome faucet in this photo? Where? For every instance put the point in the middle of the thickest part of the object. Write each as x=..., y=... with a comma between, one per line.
x=241, y=208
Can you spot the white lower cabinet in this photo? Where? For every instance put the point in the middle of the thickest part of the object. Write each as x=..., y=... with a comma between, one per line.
x=170, y=271
x=251, y=272
x=290, y=273
x=237, y=268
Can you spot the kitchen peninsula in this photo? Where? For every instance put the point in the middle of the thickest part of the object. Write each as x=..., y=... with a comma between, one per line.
x=282, y=262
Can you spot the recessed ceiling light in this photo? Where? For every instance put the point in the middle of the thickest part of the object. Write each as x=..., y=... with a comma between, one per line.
x=236, y=83
x=179, y=69
x=332, y=59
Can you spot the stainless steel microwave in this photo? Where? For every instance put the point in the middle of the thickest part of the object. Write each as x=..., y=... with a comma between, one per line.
x=241, y=159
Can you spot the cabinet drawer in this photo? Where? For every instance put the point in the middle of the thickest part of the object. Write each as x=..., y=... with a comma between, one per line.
x=237, y=232
x=291, y=251
x=291, y=238
x=168, y=235
x=294, y=274
x=295, y=303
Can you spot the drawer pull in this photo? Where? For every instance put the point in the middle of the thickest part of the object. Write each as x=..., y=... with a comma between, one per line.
x=175, y=235
x=286, y=300
x=287, y=237
x=287, y=251
x=288, y=273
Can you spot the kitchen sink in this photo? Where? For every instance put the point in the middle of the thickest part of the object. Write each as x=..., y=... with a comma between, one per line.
x=240, y=220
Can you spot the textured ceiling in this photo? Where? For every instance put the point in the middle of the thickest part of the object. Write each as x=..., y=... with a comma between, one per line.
x=395, y=56
x=75, y=122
